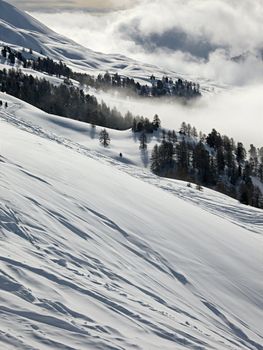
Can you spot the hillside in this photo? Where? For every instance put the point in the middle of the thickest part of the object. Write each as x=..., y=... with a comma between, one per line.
x=99, y=254
x=21, y=30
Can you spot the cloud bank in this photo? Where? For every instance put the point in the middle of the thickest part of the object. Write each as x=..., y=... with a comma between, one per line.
x=215, y=39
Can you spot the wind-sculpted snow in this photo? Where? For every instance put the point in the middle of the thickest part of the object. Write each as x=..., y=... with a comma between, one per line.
x=101, y=254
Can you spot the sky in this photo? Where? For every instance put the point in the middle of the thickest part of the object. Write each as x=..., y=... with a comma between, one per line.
x=72, y=4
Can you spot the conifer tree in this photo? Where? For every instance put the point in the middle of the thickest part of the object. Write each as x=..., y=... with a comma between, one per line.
x=104, y=138
x=156, y=122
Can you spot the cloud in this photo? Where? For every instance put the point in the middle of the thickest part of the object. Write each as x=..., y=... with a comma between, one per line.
x=226, y=23
x=215, y=39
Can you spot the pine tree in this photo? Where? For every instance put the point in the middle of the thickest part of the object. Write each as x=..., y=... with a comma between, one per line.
x=253, y=159
x=240, y=153
x=156, y=122
x=174, y=137
x=183, y=128
x=155, y=160
x=214, y=139
x=188, y=130
x=104, y=138
x=194, y=132
x=164, y=135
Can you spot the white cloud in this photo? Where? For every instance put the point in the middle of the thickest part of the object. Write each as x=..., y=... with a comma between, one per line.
x=197, y=37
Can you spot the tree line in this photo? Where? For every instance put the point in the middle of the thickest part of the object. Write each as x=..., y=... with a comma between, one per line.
x=158, y=87
x=165, y=87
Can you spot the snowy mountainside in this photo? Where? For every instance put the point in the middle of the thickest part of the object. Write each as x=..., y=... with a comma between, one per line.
x=99, y=254
x=22, y=30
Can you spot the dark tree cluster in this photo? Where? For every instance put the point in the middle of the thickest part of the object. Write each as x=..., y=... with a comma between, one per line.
x=140, y=124
x=41, y=64
x=157, y=88
x=214, y=161
x=10, y=54
x=63, y=100
x=168, y=87
x=49, y=66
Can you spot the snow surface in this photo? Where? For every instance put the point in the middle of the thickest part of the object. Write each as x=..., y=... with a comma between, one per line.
x=97, y=253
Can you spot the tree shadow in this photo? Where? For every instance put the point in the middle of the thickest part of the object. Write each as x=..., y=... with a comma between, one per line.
x=145, y=157
x=135, y=136
x=92, y=132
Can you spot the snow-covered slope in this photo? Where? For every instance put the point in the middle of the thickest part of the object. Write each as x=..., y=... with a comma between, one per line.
x=20, y=29
x=100, y=254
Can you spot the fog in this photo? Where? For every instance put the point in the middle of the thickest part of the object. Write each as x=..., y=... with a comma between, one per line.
x=236, y=113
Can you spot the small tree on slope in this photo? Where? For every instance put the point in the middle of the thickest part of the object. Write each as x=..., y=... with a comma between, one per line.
x=104, y=138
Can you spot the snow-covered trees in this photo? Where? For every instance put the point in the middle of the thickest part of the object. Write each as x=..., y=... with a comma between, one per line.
x=140, y=124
